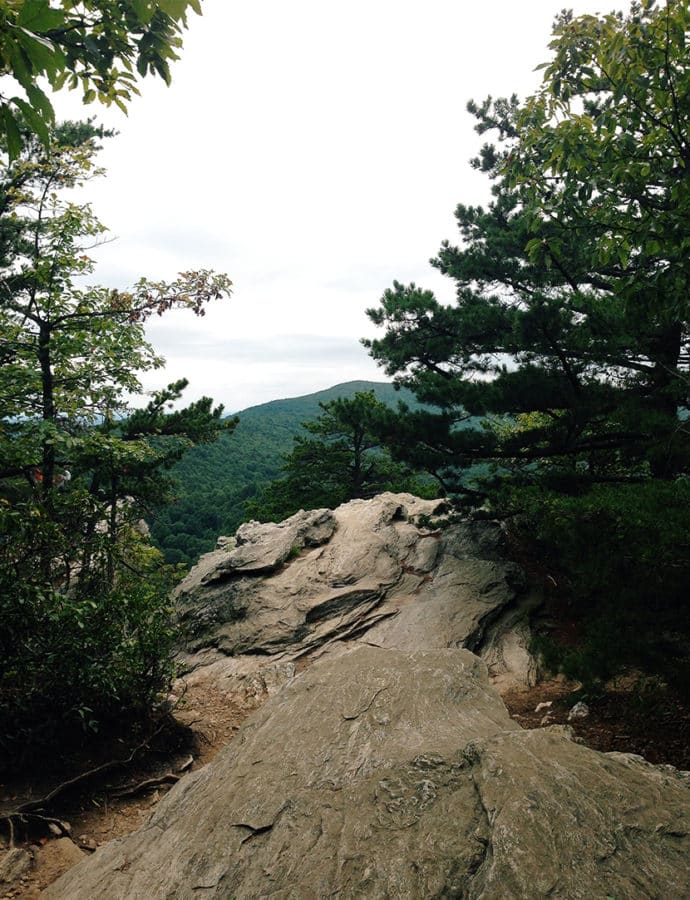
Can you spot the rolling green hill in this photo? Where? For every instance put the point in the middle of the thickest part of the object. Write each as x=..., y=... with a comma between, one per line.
x=215, y=480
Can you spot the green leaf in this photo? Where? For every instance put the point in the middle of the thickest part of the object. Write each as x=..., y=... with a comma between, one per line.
x=37, y=15
x=144, y=10
x=33, y=119
x=176, y=9
x=59, y=82
x=533, y=246
x=42, y=54
x=40, y=102
x=12, y=133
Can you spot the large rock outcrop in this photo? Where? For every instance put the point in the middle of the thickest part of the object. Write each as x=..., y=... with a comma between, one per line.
x=389, y=767
x=393, y=774
x=371, y=567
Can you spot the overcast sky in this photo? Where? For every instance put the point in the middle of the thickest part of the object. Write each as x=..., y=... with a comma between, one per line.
x=314, y=151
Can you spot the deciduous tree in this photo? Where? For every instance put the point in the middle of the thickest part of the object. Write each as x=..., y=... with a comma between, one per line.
x=78, y=467
x=98, y=46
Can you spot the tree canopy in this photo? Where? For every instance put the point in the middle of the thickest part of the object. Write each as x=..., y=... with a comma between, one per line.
x=70, y=352
x=98, y=46
x=340, y=460
x=78, y=467
x=570, y=337
x=570, y=330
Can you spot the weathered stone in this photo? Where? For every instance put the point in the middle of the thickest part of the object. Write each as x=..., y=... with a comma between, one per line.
x=505, y=645
x=569, y=822
x=579, y=711
x=56, y=857
x=88, y=843
x=365, y=570
x=389, y=768
x=63, y=849
x=261, y=548
x=382, y=773
x=14, y=863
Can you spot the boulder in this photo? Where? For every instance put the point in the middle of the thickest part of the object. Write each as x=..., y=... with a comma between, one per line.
x=372, y=569
x=262, y=548
x=399, y=774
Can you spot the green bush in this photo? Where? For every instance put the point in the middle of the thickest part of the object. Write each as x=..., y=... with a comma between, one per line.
x=624, y=554
x=72, y=660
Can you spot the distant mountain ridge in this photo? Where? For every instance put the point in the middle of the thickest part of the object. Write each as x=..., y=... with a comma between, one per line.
x=383, y=390
x=216, y=480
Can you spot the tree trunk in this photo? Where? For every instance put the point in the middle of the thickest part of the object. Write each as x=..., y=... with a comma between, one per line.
x=664, y=397
x=48, y=448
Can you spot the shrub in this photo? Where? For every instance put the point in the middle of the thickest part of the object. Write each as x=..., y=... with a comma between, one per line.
x=624, y=552
x=74, y=661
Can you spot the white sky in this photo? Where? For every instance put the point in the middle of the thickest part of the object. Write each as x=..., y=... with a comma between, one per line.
x=314, y=151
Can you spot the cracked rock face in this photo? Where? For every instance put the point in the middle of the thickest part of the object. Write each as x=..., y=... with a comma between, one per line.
x=366, y=569
x=395, y=774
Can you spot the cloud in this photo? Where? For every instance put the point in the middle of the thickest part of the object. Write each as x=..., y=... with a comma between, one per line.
x=314, y=152
x=242, y=373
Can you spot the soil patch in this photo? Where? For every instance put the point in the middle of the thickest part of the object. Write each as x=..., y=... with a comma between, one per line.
x=97, y=811
x=652, y=722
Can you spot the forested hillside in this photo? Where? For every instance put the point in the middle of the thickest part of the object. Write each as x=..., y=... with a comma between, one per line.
x=215, y=480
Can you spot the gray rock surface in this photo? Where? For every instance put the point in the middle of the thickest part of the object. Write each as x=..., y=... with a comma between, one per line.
x=389, y=768
x=368, y=569
x=384, y=773
x=14, y=863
